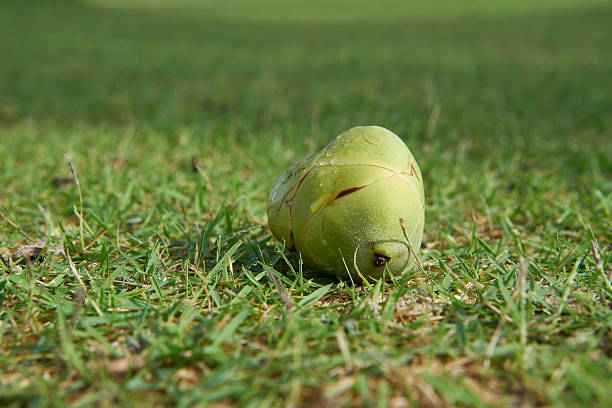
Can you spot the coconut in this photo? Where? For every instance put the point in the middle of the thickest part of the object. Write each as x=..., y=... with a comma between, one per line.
x=355, y=208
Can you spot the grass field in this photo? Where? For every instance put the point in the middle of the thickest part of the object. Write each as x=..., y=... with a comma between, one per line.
x=151, y=281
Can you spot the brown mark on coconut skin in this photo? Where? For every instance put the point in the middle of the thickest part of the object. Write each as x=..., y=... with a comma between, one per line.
x=363, y=136
x=347, y=192
x=294, y=190
x=289, y=203
x=413, y=172
x=367, y=141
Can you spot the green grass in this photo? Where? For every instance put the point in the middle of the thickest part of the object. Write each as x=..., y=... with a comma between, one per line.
x=159, y=286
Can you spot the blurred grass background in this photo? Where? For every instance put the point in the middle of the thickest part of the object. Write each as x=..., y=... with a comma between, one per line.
x=527, y=81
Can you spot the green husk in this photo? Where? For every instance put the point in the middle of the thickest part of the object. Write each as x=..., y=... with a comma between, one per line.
x=357, y=204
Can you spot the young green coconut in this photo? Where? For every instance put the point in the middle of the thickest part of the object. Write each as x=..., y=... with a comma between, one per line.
x=356, y=207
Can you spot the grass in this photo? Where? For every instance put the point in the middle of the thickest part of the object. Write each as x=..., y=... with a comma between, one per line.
x=154, y=280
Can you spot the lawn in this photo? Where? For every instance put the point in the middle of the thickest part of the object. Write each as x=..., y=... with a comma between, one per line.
x=139, y=140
